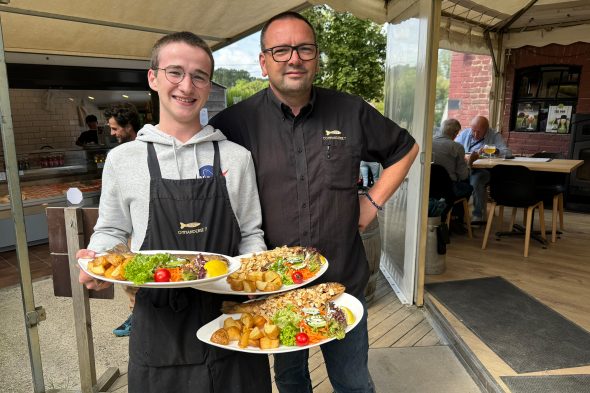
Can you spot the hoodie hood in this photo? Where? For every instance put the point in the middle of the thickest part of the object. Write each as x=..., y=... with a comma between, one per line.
x=164, y=141
x=150, y=133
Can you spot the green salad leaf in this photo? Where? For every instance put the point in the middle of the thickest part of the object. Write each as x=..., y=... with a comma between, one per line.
x=141, y=268
x=288, y=321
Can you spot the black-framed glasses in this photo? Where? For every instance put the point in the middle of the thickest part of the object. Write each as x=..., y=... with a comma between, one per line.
x=283, y=53
x=175, y=75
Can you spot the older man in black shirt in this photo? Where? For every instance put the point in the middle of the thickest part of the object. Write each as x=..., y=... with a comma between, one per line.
x=307, y=143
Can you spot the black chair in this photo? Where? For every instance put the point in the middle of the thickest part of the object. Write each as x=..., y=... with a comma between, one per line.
x=441, y=186
x=514, y=186
x=551, y=187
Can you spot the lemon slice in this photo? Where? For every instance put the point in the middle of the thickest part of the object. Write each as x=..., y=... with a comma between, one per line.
x=348, y=314
x=215, y=268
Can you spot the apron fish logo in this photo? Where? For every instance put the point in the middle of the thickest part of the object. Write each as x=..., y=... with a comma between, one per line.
x=189, y=225
x=334, y=132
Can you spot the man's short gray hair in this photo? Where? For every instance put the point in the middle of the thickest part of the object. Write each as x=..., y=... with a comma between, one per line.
x=451, y=127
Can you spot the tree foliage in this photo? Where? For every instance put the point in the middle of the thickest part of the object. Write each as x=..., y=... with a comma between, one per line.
x=229, y=76
x=352, y=52
x=244, y=89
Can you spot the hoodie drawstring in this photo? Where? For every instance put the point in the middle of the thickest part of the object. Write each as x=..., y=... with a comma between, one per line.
x=196, y=160
x=176, y=158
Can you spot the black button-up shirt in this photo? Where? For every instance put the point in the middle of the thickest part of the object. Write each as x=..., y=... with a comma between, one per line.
x=307, y=167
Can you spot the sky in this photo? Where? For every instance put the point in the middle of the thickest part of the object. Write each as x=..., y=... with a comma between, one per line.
x=241, y=55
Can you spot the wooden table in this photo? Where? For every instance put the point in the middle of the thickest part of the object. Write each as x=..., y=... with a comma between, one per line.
x=554, y=165
x=538, y=165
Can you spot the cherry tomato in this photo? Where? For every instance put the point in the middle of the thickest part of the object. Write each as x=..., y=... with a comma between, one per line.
x=297, y=277
x=162, y=275
x=301, y=339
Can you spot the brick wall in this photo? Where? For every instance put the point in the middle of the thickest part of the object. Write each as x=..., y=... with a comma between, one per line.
x=528, y=56
x=469, y=87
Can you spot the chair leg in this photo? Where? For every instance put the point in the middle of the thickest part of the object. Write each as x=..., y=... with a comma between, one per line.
x=542, y=220
x=527, y=236
x=448, y=220
x=554, y=218
x=467, y=217
x=500, y=218
x=513, y=219
x=488, y=226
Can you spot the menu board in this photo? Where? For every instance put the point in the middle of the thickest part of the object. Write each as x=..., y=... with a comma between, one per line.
x=559, y=119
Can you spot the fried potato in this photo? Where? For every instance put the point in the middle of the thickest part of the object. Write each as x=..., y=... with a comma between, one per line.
x=98, y=269
x=244, y=338
x=234, y=333
x=228, y=322
x=269, y=343
x=220, y=336
x=249, y=286
x=254, y=343
x=261, y=285
x=115, y=259
x=270, y=275
x=259, y=321
x=247, y=321
x=255, y=276
x=109, y=272
x=271, y=331
x=256, y=334
x=236, y=284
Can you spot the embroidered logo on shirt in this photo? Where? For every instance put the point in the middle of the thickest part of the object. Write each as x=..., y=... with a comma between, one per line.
x=193, y=228
x=333, y=135
x=207, y=171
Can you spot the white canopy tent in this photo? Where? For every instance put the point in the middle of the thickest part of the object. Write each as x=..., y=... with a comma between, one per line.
x=85, y=32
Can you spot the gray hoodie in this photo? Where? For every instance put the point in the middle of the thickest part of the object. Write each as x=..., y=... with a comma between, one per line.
x=124, y=201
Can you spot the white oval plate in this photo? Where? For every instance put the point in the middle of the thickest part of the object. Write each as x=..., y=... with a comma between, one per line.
x=234, y=264
x=205, y=332
x=222, y=286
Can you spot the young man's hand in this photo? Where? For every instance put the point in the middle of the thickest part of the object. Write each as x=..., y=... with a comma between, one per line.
x=85, y=278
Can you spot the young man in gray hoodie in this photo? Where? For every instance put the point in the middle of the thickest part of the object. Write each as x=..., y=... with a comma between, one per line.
x=175, y=173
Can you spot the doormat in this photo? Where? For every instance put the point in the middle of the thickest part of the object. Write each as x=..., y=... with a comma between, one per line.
x=525, y=333
x=576, y=383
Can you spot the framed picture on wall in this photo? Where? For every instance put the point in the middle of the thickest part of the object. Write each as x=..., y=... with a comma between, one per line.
x=559, y=119
x=527, y=117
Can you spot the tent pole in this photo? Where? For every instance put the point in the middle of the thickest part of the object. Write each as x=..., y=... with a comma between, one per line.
x=33, y=315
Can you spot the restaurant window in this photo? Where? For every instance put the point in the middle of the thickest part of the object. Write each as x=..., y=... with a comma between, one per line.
x=545, y=98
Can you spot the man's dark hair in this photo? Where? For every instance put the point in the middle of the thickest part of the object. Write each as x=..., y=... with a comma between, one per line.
x=91, y=119
x=281, y=16
x=182, y=36
x=125, y=114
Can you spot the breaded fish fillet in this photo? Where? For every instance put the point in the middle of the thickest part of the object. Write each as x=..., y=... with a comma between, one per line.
x=316, y=296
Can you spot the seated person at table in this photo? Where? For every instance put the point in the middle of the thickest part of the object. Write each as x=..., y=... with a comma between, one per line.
x=451, y=155
x=473, y=140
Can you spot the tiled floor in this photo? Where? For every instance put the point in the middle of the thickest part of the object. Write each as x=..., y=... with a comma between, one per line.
x=39, y=261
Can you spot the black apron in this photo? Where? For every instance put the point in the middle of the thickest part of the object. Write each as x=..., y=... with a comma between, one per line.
x=164, y=352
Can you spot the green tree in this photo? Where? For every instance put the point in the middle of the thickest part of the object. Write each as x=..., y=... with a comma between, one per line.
x=352, y=52
x=229, y=76
x=244, y=89
x=442, y=84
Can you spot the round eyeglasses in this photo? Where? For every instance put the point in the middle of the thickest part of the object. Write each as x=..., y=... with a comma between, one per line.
x=283, y=53
x=175, y=75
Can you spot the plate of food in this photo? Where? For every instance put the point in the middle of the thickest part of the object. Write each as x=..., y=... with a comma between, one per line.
x=285, y=322
x=273, y=271
x=160, y=268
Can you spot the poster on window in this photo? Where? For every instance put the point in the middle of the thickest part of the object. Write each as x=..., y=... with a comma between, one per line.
x=559, y=118
x=528, y=117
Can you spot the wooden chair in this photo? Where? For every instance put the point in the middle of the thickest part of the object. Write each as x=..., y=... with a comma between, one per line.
x=466, y=215
x=514, y=186
x=441, y=186
x=551, y=186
